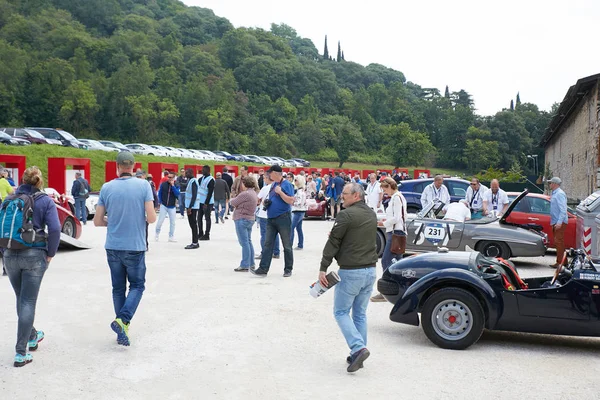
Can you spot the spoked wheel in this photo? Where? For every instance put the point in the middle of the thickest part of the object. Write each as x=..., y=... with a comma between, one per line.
x=68, y=227
x=453, y=318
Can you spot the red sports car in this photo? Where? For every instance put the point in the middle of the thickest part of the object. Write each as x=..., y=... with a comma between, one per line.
x=70, y=225
x=535, y=209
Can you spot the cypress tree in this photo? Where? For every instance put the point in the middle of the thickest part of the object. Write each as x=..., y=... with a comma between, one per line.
x=518, y=100
x=326, y=51
x=343, y=56
x=512, y=105
x=339, y=54
x=447, y=92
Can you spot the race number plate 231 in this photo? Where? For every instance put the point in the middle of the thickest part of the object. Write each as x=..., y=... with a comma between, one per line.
x=434, y=233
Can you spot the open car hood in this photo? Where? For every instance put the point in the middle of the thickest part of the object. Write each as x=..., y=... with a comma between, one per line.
x=513, y=205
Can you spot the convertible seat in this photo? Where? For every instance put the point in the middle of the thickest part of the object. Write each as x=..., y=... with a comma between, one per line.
x=512, y=273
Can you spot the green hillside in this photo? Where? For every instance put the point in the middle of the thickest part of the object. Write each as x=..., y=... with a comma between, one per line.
x=161, y=72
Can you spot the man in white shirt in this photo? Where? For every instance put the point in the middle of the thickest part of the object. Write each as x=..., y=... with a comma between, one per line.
x=458, y=212
x=436, y=192
x=474, y=197
x=374, y=193
x=495, y=200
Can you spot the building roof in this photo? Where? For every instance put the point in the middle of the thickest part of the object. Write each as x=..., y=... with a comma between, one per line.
x=567, y=106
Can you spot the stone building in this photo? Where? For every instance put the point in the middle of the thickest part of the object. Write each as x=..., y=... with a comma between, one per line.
x=571, y=140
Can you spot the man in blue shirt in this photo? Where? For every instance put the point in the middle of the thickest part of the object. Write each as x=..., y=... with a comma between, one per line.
x=558, y=218
x=337, y=185
x=279, y=220
x=124, y=206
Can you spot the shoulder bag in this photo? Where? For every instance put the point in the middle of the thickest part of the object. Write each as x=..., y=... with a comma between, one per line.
x=399, y=241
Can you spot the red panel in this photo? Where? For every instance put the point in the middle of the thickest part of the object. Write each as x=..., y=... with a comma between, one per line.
x=18, y=162
x=57, y=167
x=365, y=173
x=196, y=168
x=255, y=169
x=234, y=170
x=110, y=170
x=417, y=173
x=157, y=168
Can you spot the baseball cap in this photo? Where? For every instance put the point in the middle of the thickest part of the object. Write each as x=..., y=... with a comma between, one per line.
x=125, y=157
x=275, y=168
x=556, y=180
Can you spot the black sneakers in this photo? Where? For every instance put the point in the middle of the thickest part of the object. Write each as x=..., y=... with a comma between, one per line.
x=205, y=237
x=261, y=273
x=287, y=274
x=192, y=246
x=357, y=360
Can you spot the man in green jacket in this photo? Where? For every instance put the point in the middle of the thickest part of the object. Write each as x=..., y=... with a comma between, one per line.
x=353, y=243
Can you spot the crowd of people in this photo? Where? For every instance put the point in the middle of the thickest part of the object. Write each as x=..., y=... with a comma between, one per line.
x=278, y=201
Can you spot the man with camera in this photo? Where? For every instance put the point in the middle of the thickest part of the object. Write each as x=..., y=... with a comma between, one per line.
x=279, y=220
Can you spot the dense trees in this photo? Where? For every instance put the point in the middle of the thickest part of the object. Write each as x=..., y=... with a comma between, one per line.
x=158, y=71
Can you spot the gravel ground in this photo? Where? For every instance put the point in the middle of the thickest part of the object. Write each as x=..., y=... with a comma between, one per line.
x=203, y=331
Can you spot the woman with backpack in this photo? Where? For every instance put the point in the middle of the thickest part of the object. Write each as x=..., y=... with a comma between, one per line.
x=26, y=258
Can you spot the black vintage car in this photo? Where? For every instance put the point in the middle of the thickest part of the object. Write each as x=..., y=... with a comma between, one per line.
x=458, y=294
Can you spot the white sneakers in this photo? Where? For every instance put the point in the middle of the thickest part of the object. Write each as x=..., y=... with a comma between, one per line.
x=171, y=239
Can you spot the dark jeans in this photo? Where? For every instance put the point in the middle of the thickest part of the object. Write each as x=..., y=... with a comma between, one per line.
x=193, y=221
x=204, y=213
x=182, y=203
x=388, y=257
x=127, y=266
x=25, y=269
x=262, y=224
x=80, y=209
x=282, y=225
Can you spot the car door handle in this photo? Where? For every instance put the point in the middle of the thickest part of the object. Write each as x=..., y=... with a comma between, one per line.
x=533, y=219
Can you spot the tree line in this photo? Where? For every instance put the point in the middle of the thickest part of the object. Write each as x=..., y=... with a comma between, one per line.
x=160, y=72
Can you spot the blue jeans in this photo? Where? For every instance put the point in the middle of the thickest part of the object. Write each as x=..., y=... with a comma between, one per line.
x=262, y=224
x=282, y=225
x=182, y=203
x=388, y=257
x=127, y=266
x=25, y=269
x=243, y=228
x=220, y=206
x=353, y=293
x=297, y=217
x=80, y=210
x=172, y=212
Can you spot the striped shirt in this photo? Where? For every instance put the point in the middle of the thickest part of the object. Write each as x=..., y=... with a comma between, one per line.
x=245, y=205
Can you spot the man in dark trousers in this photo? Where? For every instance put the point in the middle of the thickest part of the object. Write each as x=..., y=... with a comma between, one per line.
x=279, y=220
x=206, y=190
x=182, y=182
x=353, y=243
x=80, y=191
x=221, y=194
x=192, y=204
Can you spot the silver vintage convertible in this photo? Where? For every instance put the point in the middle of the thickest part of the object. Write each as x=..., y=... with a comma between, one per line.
x=491, y=236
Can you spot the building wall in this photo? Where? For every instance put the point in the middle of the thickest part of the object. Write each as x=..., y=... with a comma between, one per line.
x=572, y=153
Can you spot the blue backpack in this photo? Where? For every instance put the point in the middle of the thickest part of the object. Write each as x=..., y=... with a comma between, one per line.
x=16, y=222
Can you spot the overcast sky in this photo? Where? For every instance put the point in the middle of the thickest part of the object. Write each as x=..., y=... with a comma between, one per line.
x=492, y=49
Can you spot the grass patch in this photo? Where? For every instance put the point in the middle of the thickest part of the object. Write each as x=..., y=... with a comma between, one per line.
x=39, y=154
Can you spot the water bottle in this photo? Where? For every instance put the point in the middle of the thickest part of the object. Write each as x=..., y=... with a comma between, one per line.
x=316, y=289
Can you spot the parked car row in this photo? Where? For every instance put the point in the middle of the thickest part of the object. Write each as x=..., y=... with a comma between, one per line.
x=26, y=136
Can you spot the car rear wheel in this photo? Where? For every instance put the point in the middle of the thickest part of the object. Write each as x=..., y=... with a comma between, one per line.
x=494, y=249
x=453, y=318
x=150, y=154
x=68, y=227
x=380, y=243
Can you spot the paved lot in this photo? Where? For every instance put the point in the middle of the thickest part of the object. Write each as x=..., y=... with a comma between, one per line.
x=205, y=332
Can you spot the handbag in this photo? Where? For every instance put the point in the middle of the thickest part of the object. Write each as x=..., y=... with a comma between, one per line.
x=398, y=245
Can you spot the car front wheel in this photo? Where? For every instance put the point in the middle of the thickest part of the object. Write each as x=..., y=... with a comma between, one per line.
x=68, y=227
x=453, y=318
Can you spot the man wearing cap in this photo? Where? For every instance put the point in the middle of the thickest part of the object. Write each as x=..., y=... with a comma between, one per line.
x=558, y=218
x=279, y=220
x=125, y=205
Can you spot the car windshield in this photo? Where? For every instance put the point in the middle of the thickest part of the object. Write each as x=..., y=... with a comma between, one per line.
x=67, y=135
x=34, y=134
x=5, y=135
